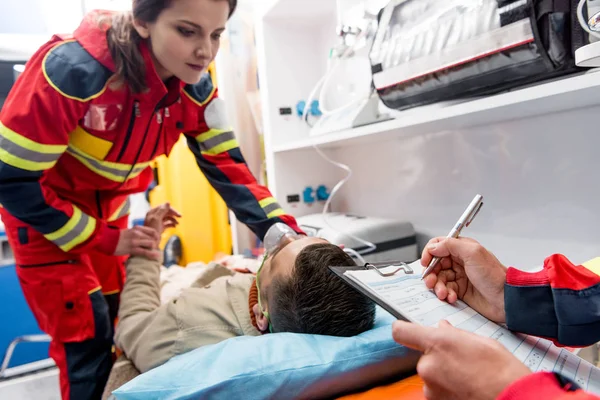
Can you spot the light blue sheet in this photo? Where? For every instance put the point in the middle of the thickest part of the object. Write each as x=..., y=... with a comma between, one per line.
x=280, y=366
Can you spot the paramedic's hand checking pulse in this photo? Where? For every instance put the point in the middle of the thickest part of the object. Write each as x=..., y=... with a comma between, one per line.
x=137, y=241
x=469, y=272
x=143, y=241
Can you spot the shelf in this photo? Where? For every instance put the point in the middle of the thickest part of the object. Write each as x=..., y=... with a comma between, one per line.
x=565, y=94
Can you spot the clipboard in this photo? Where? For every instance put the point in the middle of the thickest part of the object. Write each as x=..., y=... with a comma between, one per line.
x=402, y=268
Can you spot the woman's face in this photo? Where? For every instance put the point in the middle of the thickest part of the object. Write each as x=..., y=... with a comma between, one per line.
x=185, y=37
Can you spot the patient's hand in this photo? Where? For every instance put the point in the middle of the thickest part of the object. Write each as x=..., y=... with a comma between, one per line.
x=162, y=217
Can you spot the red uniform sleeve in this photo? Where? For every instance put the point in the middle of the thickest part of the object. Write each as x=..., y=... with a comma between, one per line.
x=219, y=157
x=561, y=302
x=544, y=385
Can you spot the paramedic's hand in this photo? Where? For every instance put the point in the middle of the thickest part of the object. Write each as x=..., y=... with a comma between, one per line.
x=469, y=272
x=139, y=241
x=458, y=365
x=162, y=217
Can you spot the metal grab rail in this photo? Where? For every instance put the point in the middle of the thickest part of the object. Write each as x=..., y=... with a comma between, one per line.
x=6, y=372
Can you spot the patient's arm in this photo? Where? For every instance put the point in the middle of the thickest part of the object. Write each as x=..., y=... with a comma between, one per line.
x=146, y=331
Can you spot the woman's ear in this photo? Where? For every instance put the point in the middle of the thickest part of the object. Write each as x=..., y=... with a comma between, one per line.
x=261, y=320
x=141, y=28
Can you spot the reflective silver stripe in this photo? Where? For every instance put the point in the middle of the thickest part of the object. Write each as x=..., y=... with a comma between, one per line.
x=73, y=233
x=101, y=167
x=271, y=207
x=124, y=210
x=26, y=154
x=217, y=140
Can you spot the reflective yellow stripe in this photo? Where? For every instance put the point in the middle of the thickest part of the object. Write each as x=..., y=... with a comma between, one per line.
x=108, y=164
x=29, y=144
x=109, y=170
x=95, y=290
x=90, y=144
x=271, y=207
x=82, y=237
x=99, y=172
x=593, y=265
x=121, y=211
x=267, y=202
x=112, y=292
x=116, y=213
x=73, y=232
x=56, y=87
x=222, y=148
x=67, y=227
x=217, y=141
x=20, y=152
x=210, y=134
x=276, y=213
x=27, y=165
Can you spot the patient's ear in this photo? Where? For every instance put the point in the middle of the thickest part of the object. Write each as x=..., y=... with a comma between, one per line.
x=261, y=320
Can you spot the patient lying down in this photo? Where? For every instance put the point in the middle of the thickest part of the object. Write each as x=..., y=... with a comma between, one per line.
x=298, y=294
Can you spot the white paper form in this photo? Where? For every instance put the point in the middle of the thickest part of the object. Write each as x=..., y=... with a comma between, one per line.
x=408, y=295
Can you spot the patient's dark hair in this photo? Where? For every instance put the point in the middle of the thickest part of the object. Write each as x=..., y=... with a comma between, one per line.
x=314, y=300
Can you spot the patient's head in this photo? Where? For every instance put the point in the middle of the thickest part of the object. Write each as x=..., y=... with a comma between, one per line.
x=300, y=294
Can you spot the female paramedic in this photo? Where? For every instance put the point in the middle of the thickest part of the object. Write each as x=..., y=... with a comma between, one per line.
x=77, y=134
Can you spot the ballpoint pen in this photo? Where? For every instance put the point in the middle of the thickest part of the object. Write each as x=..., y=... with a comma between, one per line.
x=465, y=220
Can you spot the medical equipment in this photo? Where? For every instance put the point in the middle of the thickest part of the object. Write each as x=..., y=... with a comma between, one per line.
x=346, y=97
x=277, y=235
x=426, y=51
x=392, y=239
x=589, y=55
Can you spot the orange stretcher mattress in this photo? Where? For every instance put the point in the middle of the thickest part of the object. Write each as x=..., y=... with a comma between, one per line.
x=407, y=389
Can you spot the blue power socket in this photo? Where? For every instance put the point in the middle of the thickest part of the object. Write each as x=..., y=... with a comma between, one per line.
x=300, y=108
x=313, y=110
x=322, y=193
x=307, y=195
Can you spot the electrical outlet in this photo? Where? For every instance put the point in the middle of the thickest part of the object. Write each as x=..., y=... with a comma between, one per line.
x=308, y=195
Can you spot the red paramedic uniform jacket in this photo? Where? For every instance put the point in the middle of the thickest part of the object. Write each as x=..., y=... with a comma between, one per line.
x=74, y=144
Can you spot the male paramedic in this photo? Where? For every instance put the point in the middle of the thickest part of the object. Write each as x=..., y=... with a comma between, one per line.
x=561, y=302
x=293, y=291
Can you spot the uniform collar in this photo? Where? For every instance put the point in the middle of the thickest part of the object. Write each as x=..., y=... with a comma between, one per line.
x=92, y=35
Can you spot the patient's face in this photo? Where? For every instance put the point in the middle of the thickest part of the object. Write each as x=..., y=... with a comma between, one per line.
x=281, y=262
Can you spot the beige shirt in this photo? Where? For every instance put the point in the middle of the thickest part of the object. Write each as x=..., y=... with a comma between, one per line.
x=213, y=309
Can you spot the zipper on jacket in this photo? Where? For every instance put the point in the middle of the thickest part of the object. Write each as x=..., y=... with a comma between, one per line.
x=99, y=204
x=160, y=128
x=135, y=113
x=137, y=156
x=50, y=264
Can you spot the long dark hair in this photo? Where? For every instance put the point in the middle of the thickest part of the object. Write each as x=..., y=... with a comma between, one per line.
x=123, y=40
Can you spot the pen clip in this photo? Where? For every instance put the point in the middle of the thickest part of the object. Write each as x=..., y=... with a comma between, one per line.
x=474, y=214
